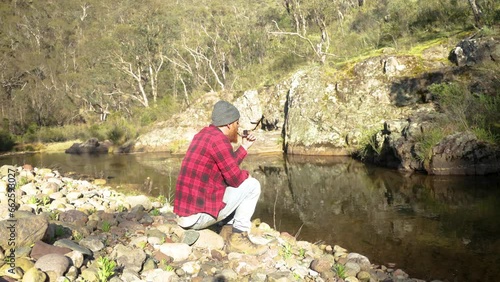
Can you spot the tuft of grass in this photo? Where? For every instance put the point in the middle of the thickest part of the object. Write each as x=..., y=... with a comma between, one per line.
x=460, y=107
x=302, y=253
x=426, y=141
x=487, y=135
x=106, y=268
x=32, y=200
x=22, y=181
x=142, y=245
x=54, y=215
x=340, y=270
x=106, y=226
x=45, y=200
x=161, y=199
x=121, y=208
x=155, y=212
x=369, y=144
x=169, y=268
x=77, y=236
x=286, y=251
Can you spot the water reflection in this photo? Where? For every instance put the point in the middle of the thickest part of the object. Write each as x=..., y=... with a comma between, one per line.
x=432, y=227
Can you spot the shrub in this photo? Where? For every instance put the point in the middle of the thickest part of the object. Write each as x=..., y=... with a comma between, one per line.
x=6, y=141
x=96, y=131
x=461, y=108
x=426, y=141
x=51, y=134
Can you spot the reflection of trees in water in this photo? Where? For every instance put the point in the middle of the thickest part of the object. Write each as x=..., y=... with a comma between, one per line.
x=431, y=226
x=396, y=218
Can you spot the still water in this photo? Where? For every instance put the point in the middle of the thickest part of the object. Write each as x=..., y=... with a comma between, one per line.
x=433, y=227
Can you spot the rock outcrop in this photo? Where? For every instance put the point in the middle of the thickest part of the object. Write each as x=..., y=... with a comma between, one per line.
x=91, y=146
x=472, y=51
x=317, y=112
x=463, y=154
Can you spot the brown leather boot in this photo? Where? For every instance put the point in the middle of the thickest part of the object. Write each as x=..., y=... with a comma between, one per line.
x=225, y=232
x=240, y=243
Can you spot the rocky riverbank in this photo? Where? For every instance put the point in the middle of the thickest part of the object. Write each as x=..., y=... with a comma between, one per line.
x=55, y=228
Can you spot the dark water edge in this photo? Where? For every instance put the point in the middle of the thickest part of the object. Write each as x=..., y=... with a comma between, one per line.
x=433, y=227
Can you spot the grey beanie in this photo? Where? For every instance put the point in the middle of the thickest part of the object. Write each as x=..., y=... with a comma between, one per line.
x=224, y=113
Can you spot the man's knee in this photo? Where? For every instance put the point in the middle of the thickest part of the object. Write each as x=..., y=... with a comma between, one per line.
x=254, y=184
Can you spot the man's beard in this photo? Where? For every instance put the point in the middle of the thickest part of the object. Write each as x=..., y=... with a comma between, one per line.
x=233, y=136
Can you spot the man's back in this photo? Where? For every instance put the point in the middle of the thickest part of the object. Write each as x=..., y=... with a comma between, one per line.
x=210, y=165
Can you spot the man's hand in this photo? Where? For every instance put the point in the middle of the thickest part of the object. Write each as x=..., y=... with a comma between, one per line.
x=248, y=141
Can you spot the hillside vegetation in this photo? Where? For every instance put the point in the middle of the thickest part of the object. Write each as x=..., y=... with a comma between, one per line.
x=106, y=69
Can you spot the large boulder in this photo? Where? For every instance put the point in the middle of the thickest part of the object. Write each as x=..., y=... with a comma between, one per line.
x=463, y=154
x=175, y=134
x=91, y=146
x=24, y=231
x=333, y=111
x=331, y=115
x=472, y=51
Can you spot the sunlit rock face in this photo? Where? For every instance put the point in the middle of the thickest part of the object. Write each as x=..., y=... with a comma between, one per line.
x=333, y=111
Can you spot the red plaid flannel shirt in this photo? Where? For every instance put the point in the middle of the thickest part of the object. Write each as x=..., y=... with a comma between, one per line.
x=210, y=165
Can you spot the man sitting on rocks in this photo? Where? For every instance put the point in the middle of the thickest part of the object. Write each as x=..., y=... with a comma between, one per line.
x=211, y=186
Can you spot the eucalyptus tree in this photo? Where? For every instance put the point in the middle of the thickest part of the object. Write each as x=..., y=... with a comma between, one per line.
x=310, y=23
x=36, y=44
x=144, y=30
x=218, y=40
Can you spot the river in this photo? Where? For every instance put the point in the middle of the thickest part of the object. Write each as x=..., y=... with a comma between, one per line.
x=432, y=227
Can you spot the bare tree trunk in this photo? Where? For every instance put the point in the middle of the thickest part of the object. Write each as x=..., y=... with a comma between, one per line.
x=476, y=11
x=128, y=69
x=186, y=95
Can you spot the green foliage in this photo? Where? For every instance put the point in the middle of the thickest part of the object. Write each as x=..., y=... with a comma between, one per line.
x=142, y=244
x=164, y=108
x=155, y=212
x=460, y=108
x=340, y=270
x=32, y=200
x=119, y=131
x=98, y=131
x=106, y=268
x=105, y=226
x=302, y=253
x=59, y=232
x=121, y=208
x=168, y=268
x=161, y=199
x=45, y=200
x=286, y=251
x=77, y=236
x=49, y=134
x=23, y=180
x=369, y=144
x=491, y=12
x=426, y=141
x=71, y=63
x=6, y=141
x=54, y=215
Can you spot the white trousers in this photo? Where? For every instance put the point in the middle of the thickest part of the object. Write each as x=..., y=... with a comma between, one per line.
x=240, y=200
